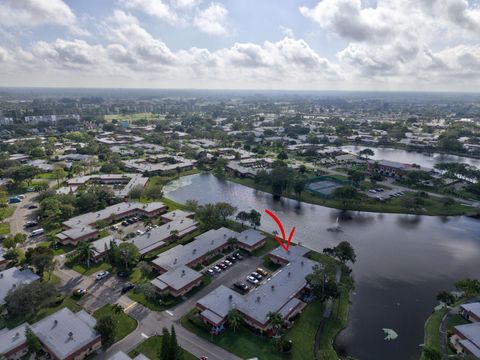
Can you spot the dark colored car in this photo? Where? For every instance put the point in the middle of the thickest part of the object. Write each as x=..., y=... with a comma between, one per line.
x=241, y=286
x=125, y=223
x=238, y=256
x=127, y=287
x=30, y=224
x=231, y=258
x=33, y=207
x=122, y=274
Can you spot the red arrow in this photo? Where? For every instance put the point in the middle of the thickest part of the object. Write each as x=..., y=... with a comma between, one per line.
x=279, y=223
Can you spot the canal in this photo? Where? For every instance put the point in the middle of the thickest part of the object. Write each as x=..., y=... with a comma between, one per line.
x=403, y=261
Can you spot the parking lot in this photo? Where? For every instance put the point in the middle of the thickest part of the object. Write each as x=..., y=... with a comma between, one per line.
x=384, y=194
x=238, y=272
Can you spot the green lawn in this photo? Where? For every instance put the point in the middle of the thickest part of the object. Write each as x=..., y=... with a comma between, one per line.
x=152, y=347
x=94, y=267
x=6, y=212
x=46, y=175
x=454, y=321
x=431, y=328
x=243, y=343
x=125, y=323
x=433, y=205
x=246, y=344
x=337, y=321
x=4, y=228
x=159, y=304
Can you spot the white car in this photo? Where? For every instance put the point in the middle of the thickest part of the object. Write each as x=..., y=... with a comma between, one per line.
x=139, y=232
x=101, y=275
x=217, y=269
x=252, y=280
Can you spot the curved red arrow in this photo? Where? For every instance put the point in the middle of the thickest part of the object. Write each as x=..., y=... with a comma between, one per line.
x=279, y=223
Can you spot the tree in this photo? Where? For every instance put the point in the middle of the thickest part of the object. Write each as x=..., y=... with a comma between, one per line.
x=225, y=210
x=471, y=287
x=107, y=328
x=165, y=350
x=59, y=174
x=345, y=194
x=174, y=235
x=282, y=155
x=243, y=216
x=234, y=319
x=174, y=349
x=356, y=176
x=323, y=286
x=343, y=252
x=117, y=309
x=33, y=344
x=446, y=297
x=41, y=258
x=431, y=354
x=27, y=299
x=299, y=186
x=128, y=253
x=85, y=252
x=136, y=192
x=11, y=241
x=276, y=321
x=254, y=216
x=21, y=173
x=366, y=153
x=145, y=269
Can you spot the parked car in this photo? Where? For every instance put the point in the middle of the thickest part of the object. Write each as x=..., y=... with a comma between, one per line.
x=114, y=227
x=122, y=274
x=256, y=275
x=37, y=232
x=31, y=207
x=14, y=200
x=79, y=292
x=139, y=232
x=228, y=263
x=101, y=275
x=252, y=280
x=127, y=287
x=241, y=286
x=261, y=271
x=21, y=197
x=211, y=272
x=231, y=258
x=238, y=256
x=217, y=269
x=222, y=265
x=125, y=223
x=373, y=191
x=30, y=224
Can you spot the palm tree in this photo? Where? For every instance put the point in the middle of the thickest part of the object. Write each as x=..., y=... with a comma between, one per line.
x=174, y=235
x=234, y=319
x=276, y=321
x=85, y=251
x=117, y=308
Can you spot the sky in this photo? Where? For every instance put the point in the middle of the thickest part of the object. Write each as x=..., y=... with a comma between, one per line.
x=419, y=45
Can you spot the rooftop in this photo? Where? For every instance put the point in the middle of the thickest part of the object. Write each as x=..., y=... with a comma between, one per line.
x=65, y=332
x=10, y=339
x=14, y=277
x=177, y=278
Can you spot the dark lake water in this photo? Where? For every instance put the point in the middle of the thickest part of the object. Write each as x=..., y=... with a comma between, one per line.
x=402, y=260
x=412, y=157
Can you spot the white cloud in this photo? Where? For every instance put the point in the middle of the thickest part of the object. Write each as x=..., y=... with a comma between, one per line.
x=213, y=20
x=157, y=8
x=31, y=13
x=186, y=4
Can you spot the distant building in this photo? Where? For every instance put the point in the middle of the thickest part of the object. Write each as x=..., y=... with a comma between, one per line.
x=392, y=168
x=82, y=227
x=159, y=164
x=50, y=119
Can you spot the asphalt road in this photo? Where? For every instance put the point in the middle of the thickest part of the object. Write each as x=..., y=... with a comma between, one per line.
x=22, y=214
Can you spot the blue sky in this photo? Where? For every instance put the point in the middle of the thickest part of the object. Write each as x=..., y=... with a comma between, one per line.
x=274, y=44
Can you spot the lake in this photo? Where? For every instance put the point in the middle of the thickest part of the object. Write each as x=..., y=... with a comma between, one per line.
x=403, y=261
x=412, y=157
